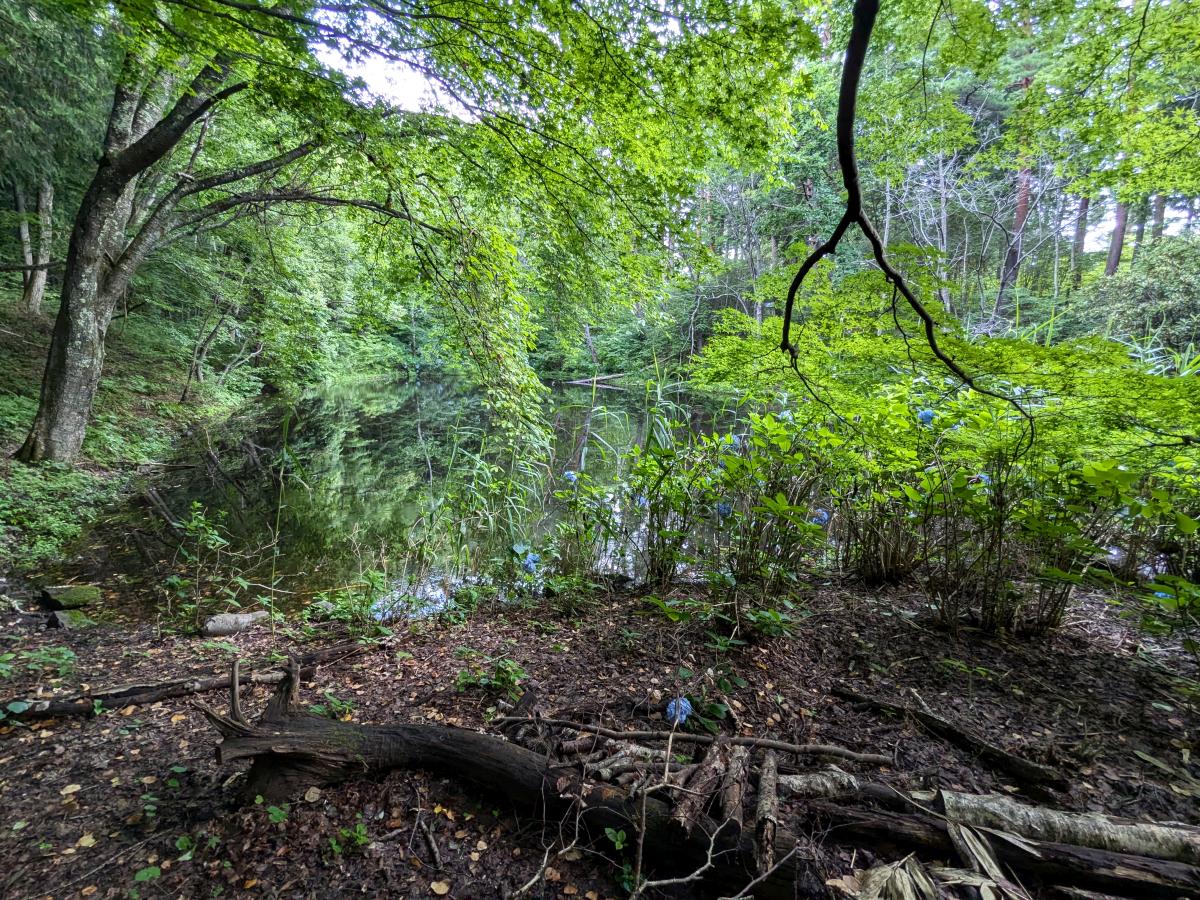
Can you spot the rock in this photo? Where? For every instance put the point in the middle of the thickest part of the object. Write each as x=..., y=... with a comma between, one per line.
x=70, y=596
x=69, y=620
x=226, y=624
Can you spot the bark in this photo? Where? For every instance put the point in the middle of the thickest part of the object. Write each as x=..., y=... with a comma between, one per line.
x=1106, y=872
x=766, y=817
x=231, y=623
x=1011, y=268
x=733, y=786
x=35, y=287
x=1117, y=243
x=1139, y=229
x=23, y=237
x=1080, y=239
x=89, y=703
x=701, y=786
x=1179, y=843
x=1159, y=216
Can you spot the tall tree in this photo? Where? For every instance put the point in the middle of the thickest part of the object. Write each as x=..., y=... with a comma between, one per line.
x=617, y=145
x=1116, y=243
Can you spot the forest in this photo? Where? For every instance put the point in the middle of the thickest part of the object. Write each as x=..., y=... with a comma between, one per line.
x=595, y=448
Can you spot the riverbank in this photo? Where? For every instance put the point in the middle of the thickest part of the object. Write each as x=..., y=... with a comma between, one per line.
x=133, y=803
x=137, y=418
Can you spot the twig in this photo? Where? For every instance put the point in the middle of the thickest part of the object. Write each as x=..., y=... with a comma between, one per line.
x=431, y=843
x=761, y=743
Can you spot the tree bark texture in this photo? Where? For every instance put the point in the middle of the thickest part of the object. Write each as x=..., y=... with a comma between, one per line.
x=1117, y=243
x=1159, y=216
x=1011, y=268
x=101, y=260
x=1079, y=241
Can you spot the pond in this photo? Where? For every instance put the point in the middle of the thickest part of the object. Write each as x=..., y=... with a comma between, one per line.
x=404, y=480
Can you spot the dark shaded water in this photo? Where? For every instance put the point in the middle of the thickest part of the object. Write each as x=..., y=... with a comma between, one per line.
x=402, y=477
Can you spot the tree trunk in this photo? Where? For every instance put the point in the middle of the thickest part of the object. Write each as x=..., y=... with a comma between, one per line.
x=1139, y=229
x=1012, y=259
x=101, y=259
x=1077, y=245
x=76, y=356
x=35, y=281
x=292, y=750
x=1160, y=218
x=23, y=237
x=1117, y=243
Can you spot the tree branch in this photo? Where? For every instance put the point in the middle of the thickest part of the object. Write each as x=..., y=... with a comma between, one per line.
x=865, y=12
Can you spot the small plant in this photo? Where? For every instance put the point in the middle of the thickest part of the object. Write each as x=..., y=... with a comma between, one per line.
x=333, y=707
x=350, y=840
x=618, y=838
x=496, y=675
x=278, y=814
x=770, y=622
x=59, y=659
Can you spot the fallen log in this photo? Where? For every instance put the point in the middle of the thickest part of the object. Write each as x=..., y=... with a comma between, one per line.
x=704, y=782
x=1158, y=840
x=1024, y=770
x=225, y=624
x=94, y=702
x=733, y=787
x=291, y=750
x=683, y=737
x=1050, y=863
x=766, y=816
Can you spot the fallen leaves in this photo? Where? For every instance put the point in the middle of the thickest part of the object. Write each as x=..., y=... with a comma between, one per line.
x=441, y=888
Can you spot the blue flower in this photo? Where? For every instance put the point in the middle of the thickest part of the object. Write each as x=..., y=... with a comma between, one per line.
x=530, y=562
x=571, y=477
x=724, y=508
x=926, y=416
x=678, y=710
x=820, y=517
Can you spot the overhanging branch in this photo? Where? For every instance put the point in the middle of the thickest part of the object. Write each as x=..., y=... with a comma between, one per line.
x=865, y=12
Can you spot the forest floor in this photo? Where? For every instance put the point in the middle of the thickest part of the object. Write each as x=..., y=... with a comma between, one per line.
x=132, y=803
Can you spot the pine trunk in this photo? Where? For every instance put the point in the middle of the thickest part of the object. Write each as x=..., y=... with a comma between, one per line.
x=1080, y=239
x=1012, y=259
x=1160, y=218
x=1117, y=243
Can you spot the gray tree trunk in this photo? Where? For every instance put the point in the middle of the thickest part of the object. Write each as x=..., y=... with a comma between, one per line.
x=1117, y=243
x=1159, y=216
x=100, y=259
x=1077, y=245
x=35, y=280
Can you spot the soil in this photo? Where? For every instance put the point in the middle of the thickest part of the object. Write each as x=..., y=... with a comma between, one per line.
x=132, y=802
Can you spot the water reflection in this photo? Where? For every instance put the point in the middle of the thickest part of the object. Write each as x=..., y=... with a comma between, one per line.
x=406, y=476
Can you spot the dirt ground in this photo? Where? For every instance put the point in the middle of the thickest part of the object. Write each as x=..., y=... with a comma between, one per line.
x=133, y=804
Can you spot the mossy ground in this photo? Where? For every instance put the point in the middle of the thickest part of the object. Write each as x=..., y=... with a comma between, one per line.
x=137, y=416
